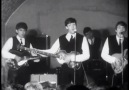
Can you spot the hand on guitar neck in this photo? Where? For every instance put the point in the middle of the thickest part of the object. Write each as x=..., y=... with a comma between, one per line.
x=31, y=50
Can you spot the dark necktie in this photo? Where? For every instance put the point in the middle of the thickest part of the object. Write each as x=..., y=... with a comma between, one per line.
x=71, y=38
x=21, y=41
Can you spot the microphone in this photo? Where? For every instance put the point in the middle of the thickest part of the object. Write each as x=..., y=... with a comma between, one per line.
x=121, y=32
x=75, y=30
x=45, y=35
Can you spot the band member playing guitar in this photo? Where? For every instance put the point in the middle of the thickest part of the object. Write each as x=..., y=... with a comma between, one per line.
x=12, y=54
x=115, y=52
x=71, y=47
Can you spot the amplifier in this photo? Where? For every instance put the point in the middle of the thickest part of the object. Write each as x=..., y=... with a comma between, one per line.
x=52, y=78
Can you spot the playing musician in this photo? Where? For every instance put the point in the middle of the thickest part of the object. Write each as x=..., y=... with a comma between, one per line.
x=71, y=41
x=116, y=44
x=12, y=51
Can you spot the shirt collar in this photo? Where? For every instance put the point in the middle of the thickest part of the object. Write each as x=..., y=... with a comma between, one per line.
x=117, y=38
x=19, y=39
x=68, y=36
x=93, y=39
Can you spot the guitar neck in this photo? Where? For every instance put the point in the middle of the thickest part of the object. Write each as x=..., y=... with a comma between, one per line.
x=27, y=49
x=47, y=54
x=44, y=53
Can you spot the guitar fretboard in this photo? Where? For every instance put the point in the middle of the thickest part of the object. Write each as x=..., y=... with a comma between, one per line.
x=48, y=54
x=43, y=53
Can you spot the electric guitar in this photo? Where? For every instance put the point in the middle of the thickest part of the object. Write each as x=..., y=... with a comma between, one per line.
x=14, y=64
x=62, y=55
x=119, y=66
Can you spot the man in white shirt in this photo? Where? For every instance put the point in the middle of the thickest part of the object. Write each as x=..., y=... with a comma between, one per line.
x=71, y=41
x=10, y=51
x=111, y=47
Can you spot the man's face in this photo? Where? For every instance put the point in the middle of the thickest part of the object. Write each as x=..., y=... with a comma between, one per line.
x=120, y=31
x=89, y=35
x=71, y=27
x=21, y=32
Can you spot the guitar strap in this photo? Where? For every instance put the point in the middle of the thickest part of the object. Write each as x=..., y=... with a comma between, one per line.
x=21, y=41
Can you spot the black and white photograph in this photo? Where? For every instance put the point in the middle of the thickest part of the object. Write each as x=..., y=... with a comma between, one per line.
x=64, y=45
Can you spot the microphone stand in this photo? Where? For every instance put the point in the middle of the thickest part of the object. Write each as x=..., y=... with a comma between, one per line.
x=75, y=61
x=46, y=36
x=122, y=52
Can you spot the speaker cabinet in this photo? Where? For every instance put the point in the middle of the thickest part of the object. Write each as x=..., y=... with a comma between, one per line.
x=96, y=69
x=40, y=42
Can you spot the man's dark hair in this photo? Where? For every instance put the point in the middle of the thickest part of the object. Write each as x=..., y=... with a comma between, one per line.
x=122, y=23
x=70, y=20
x=86, y=30
x=22, y=25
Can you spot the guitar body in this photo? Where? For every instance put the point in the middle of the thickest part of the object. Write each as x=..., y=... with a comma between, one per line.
x=65, y=57
x=121, y=63
x=13, y=64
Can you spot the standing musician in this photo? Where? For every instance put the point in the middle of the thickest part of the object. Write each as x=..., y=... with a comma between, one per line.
x=12, y=51
x=115, y=53
x=68, y=43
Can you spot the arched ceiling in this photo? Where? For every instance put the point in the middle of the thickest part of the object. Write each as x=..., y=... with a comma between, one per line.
x=9, y=6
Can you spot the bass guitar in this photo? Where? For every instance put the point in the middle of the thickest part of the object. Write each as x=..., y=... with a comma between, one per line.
x=120, y=64
x=62, y=55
